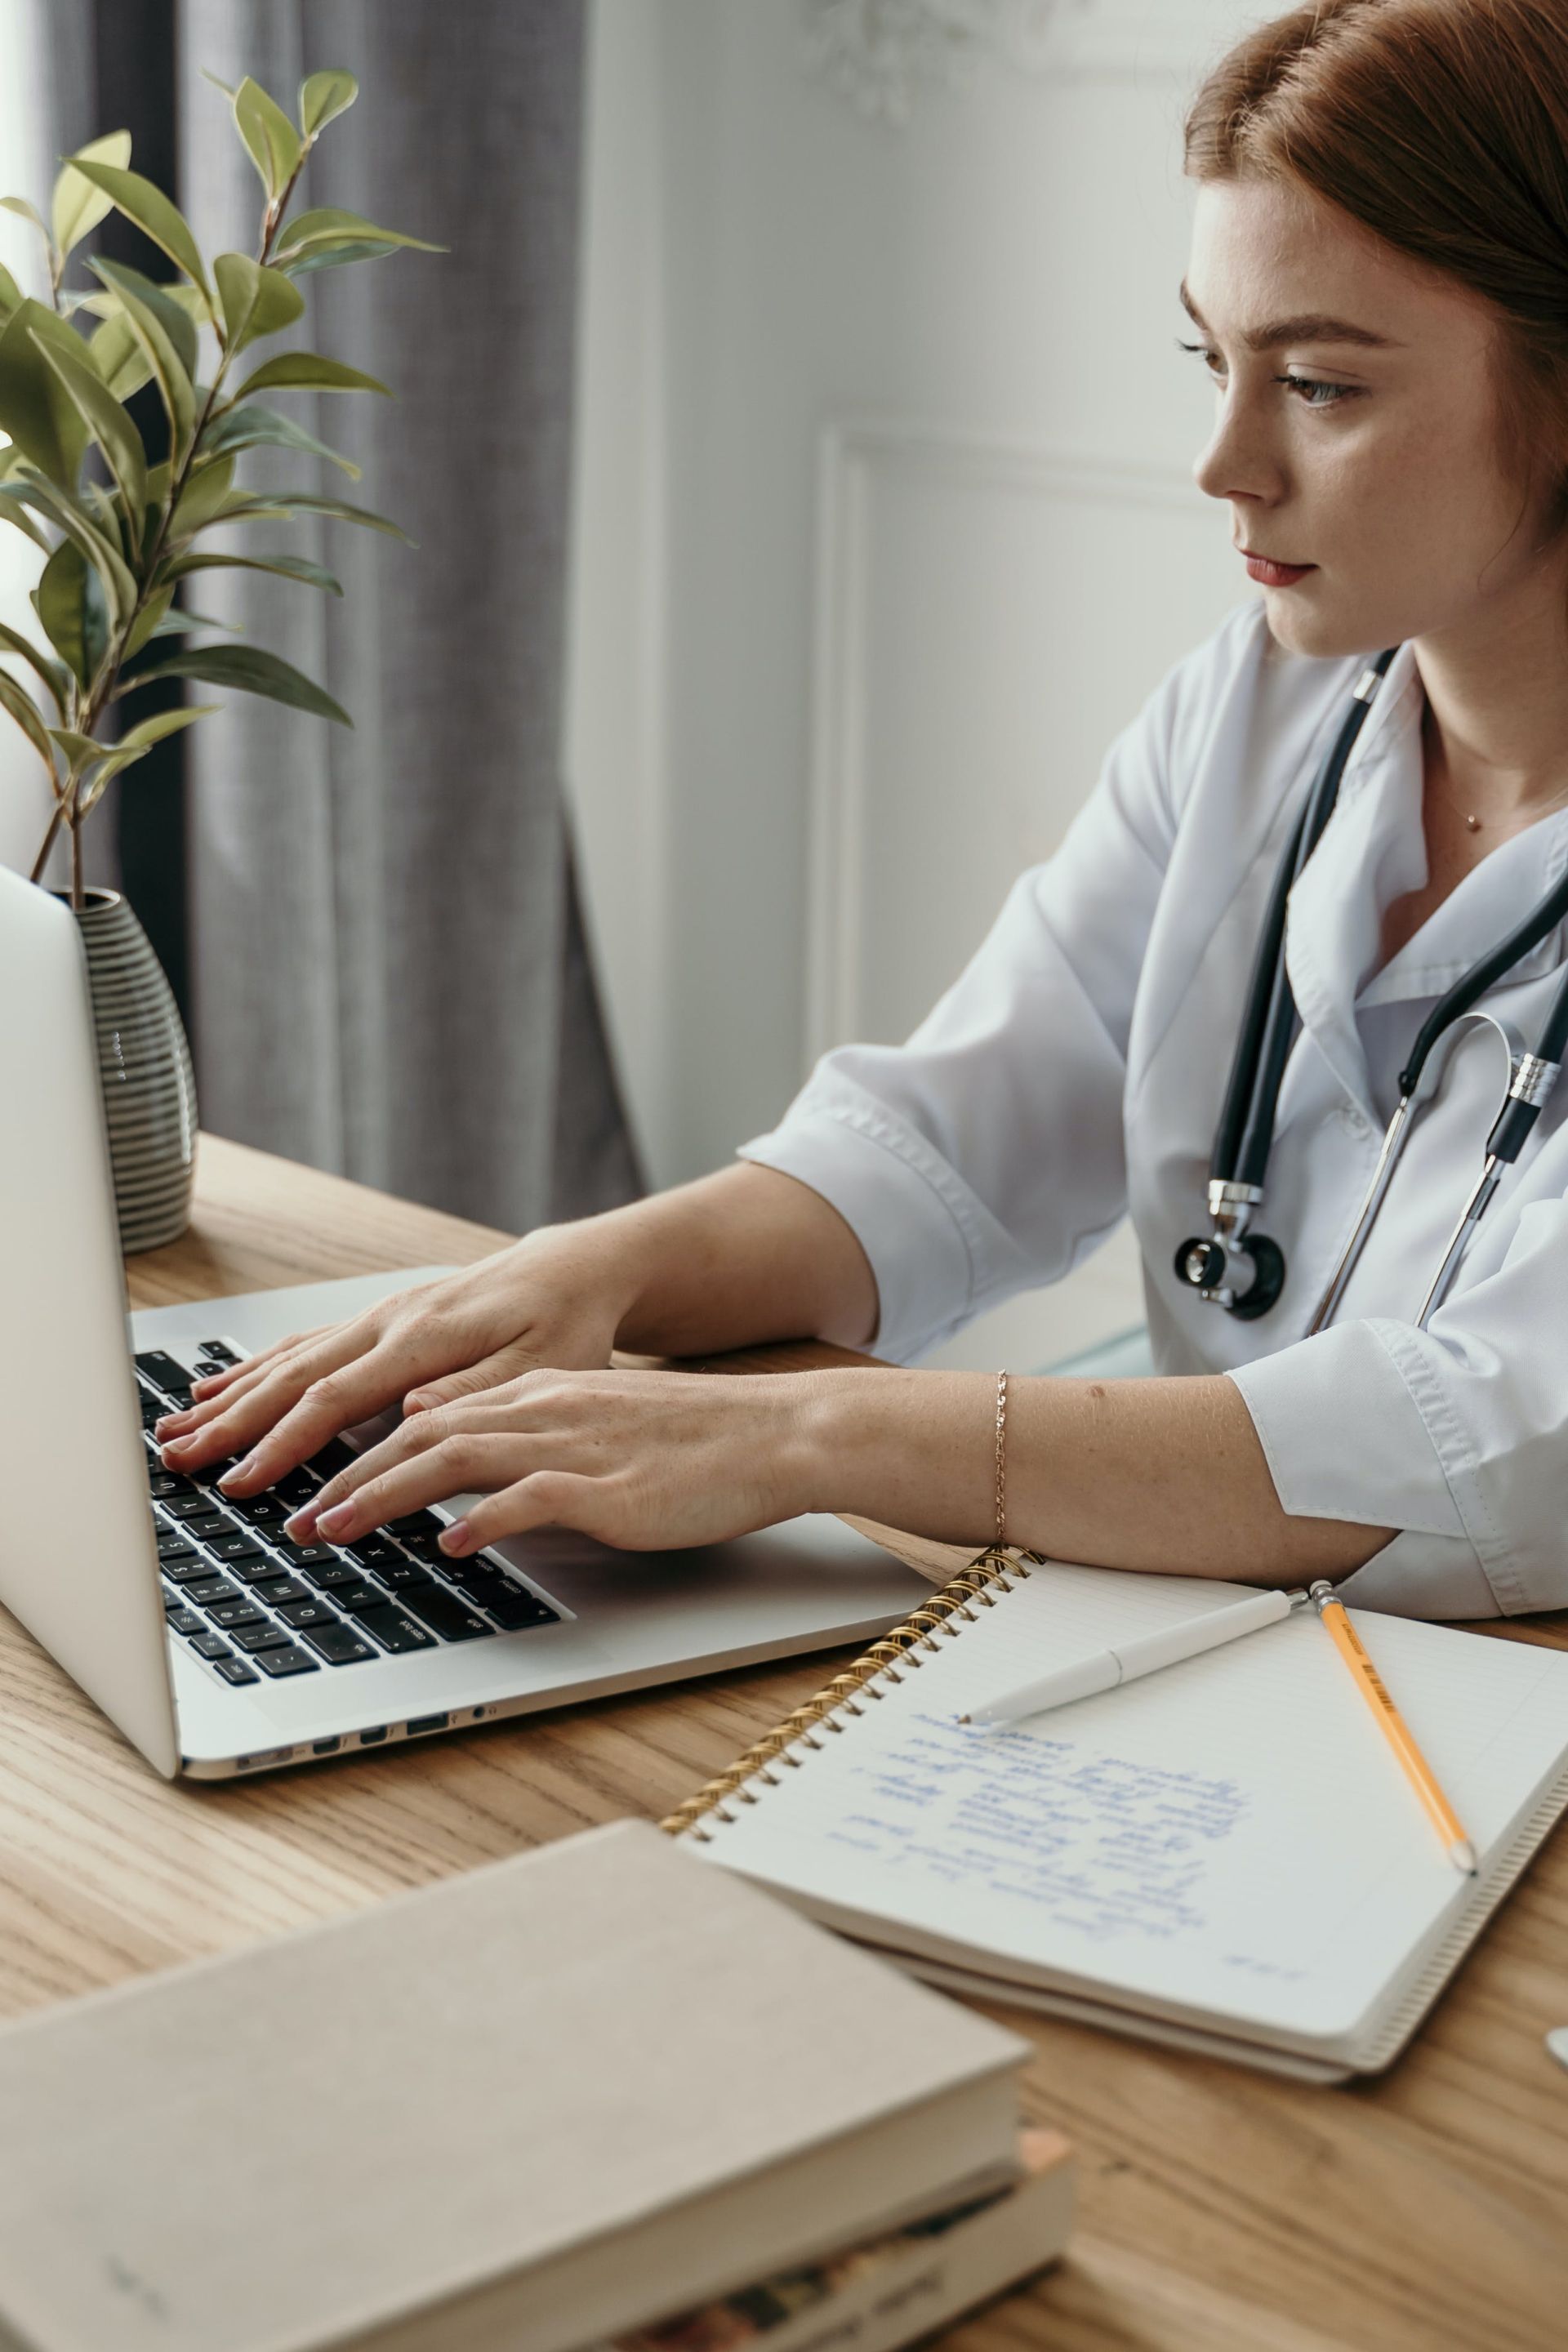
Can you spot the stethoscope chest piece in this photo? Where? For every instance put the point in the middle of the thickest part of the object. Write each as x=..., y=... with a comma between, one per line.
x=1241, y=1271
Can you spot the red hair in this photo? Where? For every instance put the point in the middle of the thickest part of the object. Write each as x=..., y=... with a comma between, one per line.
x=1442, y=126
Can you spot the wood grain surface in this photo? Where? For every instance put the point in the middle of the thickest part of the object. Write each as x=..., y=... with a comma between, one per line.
x=1220, y=2210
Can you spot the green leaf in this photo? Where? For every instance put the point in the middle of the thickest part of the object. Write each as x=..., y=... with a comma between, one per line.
x=13, y=505
x=323, y=97
x=179, y=624
x=253, y=672
x=255, y=301
x=307, y=371
x=251, y=428
x=53, y=676
x=84, y=533
x=119, y=357
x=82, y=751
x=25, y=711
x=35, y=409
x=147, y=620
x=71, y=608
x=327, y=224
x=270, y=138
x=10, y=293
x=203, y=494
x=148, y=731
x=151, y=211
x=173, y=305
x=77, y=206
x=105, y=420
x=162, y=355
x=217, y=82
x=288, y=567
x=281, y=506
x=24, y=211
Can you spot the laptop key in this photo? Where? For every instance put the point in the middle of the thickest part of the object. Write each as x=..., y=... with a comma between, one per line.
x=265, y=1636
x=394, y=1631
x=189, y=1504
x=207, y=1646
x=161, y=1369
x=185, y=1566
x=296, y=1486
x=260, y=1510
x=168, y=1486
x=445, y=1612
x=303, y=1614
x=276, y=1590
x=396, y=1574
x=357, y=1596
x=232, y=1614
x=219, y=1351
x=311, y=1555
x=207, y=1524
x=515, y=1610
x=208, y=1590
x=334, y=1456
x=182, y=1619
x=237, y=1547
x=291, y=1661
x=371, y=1551
x=235, y=1670
x=338, y=1644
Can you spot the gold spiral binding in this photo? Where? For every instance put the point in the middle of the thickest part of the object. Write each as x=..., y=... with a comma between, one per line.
x=991, y=1570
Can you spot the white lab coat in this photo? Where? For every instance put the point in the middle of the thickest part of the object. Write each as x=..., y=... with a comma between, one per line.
x=1072, y=1076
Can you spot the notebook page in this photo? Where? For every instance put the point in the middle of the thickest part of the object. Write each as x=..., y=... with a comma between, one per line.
x=1232, y=1837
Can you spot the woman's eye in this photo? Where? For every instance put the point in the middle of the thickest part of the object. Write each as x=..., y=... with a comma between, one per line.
x=1315, y=391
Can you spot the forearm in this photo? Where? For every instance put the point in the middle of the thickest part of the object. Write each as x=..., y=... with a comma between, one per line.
x=1159, y=1473
x=733, y=1260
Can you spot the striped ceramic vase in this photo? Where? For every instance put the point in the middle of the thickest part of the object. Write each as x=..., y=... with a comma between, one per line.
x=144, y=1063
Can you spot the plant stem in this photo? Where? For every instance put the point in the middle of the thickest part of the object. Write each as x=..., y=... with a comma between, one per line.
x=43, y=856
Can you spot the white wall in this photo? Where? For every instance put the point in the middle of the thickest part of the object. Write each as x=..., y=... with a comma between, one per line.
x=884, y=522
x=24, y=171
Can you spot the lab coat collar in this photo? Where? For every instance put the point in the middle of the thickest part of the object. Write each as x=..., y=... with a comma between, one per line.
x=1373, y=851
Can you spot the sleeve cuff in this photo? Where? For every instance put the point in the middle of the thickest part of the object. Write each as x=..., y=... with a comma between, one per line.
x=922, y=1263
x=1348, y=1435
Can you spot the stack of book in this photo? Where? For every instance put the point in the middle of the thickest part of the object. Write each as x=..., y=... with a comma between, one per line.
x=597, y=2095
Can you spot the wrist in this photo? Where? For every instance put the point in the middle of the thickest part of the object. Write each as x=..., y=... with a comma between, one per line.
x=912, y=1449
x=587, y=1260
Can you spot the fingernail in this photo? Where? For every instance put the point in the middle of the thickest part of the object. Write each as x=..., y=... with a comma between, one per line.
x=456, y=1537
x=241, y=1470
x=170, y=1421
x=301, y=1527
x=333, y=1522
x=175, y=1445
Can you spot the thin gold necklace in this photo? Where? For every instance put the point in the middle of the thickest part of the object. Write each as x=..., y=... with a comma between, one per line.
x=1476, y=824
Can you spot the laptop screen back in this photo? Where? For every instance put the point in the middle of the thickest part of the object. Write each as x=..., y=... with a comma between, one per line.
x=77, y=1558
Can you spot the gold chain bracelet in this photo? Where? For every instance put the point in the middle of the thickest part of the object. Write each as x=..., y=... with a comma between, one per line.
x=1001, y=1460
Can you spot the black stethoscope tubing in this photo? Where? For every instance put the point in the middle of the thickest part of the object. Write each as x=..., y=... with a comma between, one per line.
x=1244, y=1272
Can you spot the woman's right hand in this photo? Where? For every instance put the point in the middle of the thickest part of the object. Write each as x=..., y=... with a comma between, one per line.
x=553, y=1298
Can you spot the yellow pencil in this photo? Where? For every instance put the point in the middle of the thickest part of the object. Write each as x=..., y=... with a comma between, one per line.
x=1397, y=1731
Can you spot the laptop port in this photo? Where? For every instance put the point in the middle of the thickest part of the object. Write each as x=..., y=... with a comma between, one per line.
x=369, y=1739
x=325, y=1747
x=428, y=1722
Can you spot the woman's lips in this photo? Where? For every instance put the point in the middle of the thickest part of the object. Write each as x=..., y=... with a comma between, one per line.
x=1276, y=575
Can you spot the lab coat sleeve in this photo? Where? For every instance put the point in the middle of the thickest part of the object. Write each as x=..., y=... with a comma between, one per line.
x=984, y=1156
x=1457, y=1435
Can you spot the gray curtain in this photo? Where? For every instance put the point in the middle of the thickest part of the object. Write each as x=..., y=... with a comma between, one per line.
x=390, y=973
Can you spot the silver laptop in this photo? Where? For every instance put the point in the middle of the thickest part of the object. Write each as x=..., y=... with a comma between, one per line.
x=216, y=1647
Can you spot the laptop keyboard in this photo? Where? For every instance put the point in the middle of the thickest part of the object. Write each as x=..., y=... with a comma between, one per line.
x=250, y=1603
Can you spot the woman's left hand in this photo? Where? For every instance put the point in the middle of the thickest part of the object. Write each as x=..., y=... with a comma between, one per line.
x=645, y=1460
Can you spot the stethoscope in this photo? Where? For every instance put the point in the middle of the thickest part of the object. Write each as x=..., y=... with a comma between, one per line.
x=1244, y=1272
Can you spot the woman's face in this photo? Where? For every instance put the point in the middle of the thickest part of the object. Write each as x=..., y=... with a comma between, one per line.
x=1355, y=429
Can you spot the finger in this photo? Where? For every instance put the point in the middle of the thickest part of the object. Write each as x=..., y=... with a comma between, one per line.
x=457, y=1465
x=545, y=1498
x=232, y=1424
x=175, y=1425
x=300, y=1424
x=417, y=1435
x=506, y=1364
x=213, y=1384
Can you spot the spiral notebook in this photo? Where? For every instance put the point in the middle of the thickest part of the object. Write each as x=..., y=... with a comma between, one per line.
x=1224, y=1856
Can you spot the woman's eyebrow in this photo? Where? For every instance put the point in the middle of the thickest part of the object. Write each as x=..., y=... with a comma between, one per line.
x=1310, y=327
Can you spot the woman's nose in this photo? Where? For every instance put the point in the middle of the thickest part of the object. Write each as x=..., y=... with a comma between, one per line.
x=1236, y=461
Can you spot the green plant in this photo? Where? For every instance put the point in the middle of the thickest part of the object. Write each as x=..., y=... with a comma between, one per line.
x=121, y=531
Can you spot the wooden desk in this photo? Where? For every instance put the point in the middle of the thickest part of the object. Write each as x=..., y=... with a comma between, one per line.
x=1222, y=2211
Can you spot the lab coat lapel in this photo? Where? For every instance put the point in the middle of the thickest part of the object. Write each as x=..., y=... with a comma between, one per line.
x=1372, y=850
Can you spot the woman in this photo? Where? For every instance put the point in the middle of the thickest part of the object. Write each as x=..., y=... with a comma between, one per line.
x=1379, y=283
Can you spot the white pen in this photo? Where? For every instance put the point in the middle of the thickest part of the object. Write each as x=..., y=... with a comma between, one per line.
x=1105, y=1668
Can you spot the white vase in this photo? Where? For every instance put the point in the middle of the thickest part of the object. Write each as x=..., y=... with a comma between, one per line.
x=144, y=1065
